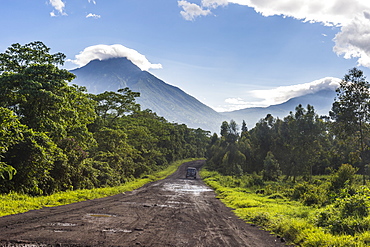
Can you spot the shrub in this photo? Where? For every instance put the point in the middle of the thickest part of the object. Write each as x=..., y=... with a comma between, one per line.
x=344, y=176
x=310, y=194
x=347, y=215
x=292, y=229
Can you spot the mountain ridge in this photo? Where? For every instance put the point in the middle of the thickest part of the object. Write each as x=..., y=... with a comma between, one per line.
x=321, y=101
x=164, y=99
x=177, y=106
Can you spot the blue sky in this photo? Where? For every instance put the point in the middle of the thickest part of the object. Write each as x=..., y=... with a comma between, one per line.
x=229, y=54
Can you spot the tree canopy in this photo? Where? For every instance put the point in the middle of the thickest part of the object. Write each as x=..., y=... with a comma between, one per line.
x=55, y=136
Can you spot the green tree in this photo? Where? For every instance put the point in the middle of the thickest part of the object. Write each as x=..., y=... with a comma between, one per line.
x=11, y=133
x=351, y=110
x=224, y=155
x=271, y=168
x=304, y=131
x=344, y=176
x=112, y=105
x=34, y=158
x=19, y=57
x=38, y=92
x=262, y=138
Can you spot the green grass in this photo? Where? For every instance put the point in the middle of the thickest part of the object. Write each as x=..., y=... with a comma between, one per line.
x=279, y=215
x=15, y=203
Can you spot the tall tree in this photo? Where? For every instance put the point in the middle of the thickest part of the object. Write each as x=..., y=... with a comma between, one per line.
x=19, y=57
x=351, y=110
x=37, y=91
x=305, y=131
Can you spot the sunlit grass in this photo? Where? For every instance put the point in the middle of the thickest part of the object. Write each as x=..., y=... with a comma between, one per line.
x=14, y=203
x=279, y=215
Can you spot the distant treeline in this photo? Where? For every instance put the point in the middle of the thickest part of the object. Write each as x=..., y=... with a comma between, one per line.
x=302, y=143
x=56, y=137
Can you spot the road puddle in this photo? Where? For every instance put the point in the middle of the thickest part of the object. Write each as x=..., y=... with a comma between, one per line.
x=101, y=215
x=186, y=187
x=116, y=230
x=61, y=224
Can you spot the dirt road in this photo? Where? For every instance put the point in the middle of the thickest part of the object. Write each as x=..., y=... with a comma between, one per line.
x=172, y=212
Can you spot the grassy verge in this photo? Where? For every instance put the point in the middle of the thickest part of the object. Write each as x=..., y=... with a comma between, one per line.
x=15, y=203
x=288, y=218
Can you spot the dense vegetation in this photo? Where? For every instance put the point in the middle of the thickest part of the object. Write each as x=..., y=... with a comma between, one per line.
x=57, y=137
x=305, y=158
x=281, y=208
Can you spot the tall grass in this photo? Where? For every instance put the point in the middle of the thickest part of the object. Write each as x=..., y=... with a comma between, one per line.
x=14, y=203
x=278, y=214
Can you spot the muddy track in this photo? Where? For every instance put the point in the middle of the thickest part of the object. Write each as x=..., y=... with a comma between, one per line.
x=172, y=212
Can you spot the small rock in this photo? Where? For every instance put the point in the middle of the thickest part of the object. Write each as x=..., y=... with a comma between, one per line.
x=139, y=229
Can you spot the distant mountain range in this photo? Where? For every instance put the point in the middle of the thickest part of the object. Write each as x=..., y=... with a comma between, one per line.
x=321, y=100
x=177, y=106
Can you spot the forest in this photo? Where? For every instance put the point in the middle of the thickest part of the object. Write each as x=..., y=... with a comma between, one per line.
x=57, y=137
x=301, y=144
x=304, y=176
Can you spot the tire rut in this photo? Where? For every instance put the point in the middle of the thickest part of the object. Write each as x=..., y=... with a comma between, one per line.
x=172, y=212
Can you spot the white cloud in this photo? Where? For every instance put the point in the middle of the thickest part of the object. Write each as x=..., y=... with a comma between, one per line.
x=279, y=95
x=103, y=52
x=58, y=5
x=91, y=15
x=191, y=10
x=92, y=1
x=353, y=17
x=330, y=12
x=353, y=40
x=282, y=94
x=214, y=3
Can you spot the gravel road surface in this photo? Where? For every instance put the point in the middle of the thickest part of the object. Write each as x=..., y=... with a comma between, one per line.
x=172, y=212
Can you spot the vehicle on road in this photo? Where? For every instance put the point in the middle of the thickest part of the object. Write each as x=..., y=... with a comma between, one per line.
x=191, y=172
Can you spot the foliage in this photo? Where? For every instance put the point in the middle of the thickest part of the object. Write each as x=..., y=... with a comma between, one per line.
x=294, y=146
x=350, y=112
x=10, y=134
x=343, y=177
x=18, y=57
x=271, y=167
x=310, y=194
x=56, y=137
x=347, y=215
x=343, y=223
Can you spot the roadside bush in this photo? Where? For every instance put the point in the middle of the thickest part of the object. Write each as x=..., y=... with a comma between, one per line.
x=245, y=203
x=347, y=215
x=350, y=225
x=261, y=219
x=256, y=180
x=356, y=205
x=292, y=229
x=364, y=237
x=343, y=177
x=309, y=194
x=317, y=238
